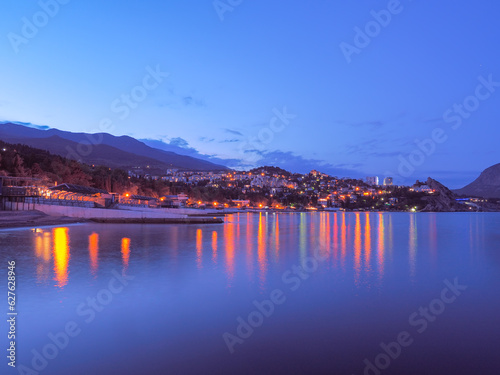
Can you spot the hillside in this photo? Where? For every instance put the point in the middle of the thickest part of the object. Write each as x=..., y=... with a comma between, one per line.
x=487, y=185
x=443, y=201
x=101, y=154
x=19, y=160
x=124, y=151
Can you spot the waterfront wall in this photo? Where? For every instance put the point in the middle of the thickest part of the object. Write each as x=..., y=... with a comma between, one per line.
x=99, y=213
x=16, y=205
x=177, y=211
x=130, y=214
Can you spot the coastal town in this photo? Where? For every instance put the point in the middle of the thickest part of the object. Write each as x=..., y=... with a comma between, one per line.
x=275, y=188
x=34, y=179
x=229, y=187
x=265, y=188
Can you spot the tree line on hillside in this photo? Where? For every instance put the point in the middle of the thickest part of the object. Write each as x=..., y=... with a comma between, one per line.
x=17, y=160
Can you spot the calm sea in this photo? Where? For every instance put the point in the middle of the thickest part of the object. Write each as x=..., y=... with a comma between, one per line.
x=304, y=293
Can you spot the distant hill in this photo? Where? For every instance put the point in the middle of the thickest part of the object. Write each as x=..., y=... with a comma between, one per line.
x=100, y=155
x=110, y=150
x=270, y=170
x=487, y=185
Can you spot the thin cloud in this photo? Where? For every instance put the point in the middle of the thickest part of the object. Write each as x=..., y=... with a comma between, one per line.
x=179, y=142
x=370, y=124
x=206, y=139
x=28, y=124
x=234, y=132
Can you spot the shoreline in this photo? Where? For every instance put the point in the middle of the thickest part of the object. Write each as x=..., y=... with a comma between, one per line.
x=26, y=219
x=34, y=218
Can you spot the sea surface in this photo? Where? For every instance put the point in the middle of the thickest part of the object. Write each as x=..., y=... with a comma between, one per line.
x=301, y=293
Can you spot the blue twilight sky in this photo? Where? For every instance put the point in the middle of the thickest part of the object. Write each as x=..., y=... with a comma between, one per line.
x=231, y=70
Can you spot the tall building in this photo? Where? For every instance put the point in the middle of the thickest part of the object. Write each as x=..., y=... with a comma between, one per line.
x=388, y=181
x=373, y=180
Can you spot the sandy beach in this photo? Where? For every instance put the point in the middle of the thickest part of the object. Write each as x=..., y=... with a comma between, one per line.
x=20, y=219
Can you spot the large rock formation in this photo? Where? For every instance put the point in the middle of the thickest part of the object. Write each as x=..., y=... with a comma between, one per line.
x=443, y=200
x=487, y=185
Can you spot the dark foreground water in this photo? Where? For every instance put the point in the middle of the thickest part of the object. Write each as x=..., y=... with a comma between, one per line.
x=311, y=293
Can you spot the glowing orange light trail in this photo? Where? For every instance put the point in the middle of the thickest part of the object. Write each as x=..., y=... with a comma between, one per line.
x=61, y=255
x=94, y=252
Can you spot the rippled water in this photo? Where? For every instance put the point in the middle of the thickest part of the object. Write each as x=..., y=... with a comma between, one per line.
x=310, y=293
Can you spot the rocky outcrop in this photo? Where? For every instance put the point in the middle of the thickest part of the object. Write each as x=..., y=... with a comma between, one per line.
x=443, y=199
x=487, y=185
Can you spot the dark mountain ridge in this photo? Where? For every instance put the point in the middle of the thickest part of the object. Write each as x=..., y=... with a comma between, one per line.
x=101, y=148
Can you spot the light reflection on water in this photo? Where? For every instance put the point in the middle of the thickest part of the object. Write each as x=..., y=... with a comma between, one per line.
x=412, y=244
x=378, y=268
x=214, y=246
x=125, y=252
x=61, y=255
x=261, y=248
x=380, y=246
x=368, y=242
x=43, y=252
x=362, y=239
x=199, y=247
x=357, y=250
x=229, y=244
x=94, y=253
